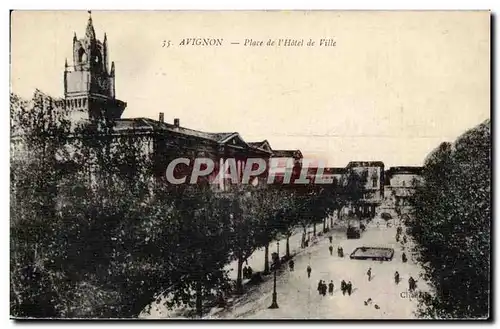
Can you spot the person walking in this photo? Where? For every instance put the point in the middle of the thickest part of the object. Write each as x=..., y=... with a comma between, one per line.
x=411, y=283
x=320, y=286
x=396, y=277
x=349, y=288
x=341, y=252
x=331, y=250
x=323, y=289
x=330, y=238
x=291, y=264
x=369, y=274
x=309, y=271
x=330, y=287
x=403, y=258
x=343, y=287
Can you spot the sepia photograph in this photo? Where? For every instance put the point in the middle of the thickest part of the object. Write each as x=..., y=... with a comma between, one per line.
x=250, y=165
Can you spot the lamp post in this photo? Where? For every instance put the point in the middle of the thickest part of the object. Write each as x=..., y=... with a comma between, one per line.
x=274, y=304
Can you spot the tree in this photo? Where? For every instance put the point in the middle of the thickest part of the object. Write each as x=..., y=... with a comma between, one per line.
x=246, y=229
x=39, y=132
x=287, y=216
x=274, y=218
x=202, y=243
x=450, y=224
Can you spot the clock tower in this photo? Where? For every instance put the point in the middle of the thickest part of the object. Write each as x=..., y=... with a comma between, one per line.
x=89, y=84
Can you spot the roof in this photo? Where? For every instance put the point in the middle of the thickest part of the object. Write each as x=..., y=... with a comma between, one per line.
x=365, y=164
x=287, y=154
x=146, y=124
x=334, y=170
x=255, y=144
x=408, y=170
x=261, y=146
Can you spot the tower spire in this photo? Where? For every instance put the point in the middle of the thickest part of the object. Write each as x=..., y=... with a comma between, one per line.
x=90, y=33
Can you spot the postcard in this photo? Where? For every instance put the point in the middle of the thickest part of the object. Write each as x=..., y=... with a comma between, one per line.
x=250, y=165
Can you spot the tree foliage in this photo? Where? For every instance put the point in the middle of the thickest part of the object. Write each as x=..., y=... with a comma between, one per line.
x=451, y=226
x=94, y=234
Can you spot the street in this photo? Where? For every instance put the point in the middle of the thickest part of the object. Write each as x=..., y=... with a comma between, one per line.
x=298, y=297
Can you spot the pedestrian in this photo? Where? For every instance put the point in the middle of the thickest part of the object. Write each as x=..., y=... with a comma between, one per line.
x=309, y=271
x=245, y=272
x=330, y=238
x=323, y=289
x=291, y=264
x=403, y=258
x=396, y=277
x=338, y=251
x=411, y=284
x=330, y=287
x=369, y=273
x=349, y=288
x=331, y=250
x=249, y=272
x=397, y=237
x=399, y=230
x=343, y=287
x=220, y=299
x=320, y=286
x=341, y=252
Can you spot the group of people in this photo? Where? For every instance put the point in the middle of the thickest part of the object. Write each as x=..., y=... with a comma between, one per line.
x=346, y=287
x=322, y=287
x=247, y=272
x=340, y=251
x=412, y=283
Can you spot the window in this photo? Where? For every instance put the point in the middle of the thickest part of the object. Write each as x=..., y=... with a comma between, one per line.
x=82, y=58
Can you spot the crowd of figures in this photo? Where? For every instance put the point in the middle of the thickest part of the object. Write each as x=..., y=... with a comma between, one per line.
x=346, y=286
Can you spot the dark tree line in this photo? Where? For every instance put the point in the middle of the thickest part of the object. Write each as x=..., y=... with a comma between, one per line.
x=94, y=235
x=451, y=226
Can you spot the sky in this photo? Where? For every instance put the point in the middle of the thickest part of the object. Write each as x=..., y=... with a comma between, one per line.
x=394, y=86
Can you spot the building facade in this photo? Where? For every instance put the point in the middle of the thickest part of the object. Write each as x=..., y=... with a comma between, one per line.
x=90, y=96
x=401, y=184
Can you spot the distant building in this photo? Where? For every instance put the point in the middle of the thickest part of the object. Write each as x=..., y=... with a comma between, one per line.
x=90, y=95
x=336, y=174
x=372, y=174
x=280, y=157
x=402, y=182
